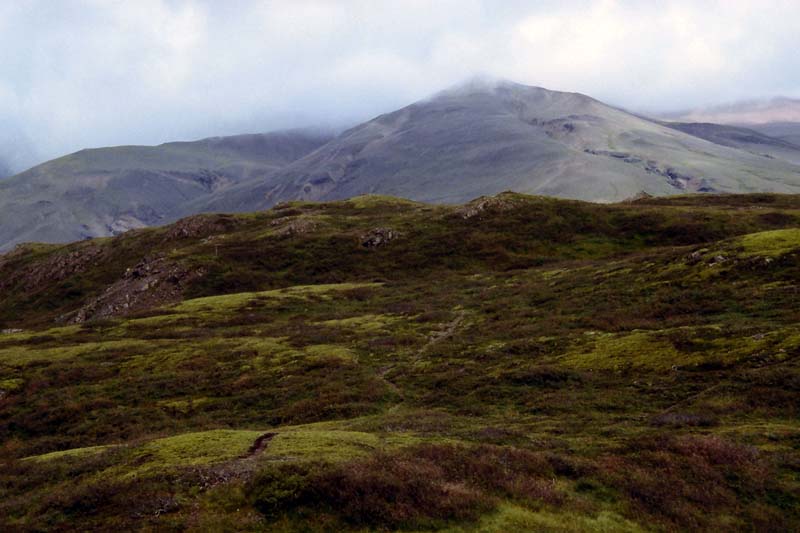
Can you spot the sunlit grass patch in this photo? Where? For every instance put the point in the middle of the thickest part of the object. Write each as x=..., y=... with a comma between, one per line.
x=184, y=406
x=770, y=243
x=68, y=454
x=378, y=200
x=369, y=323
x=328, y=352
x=10, y=385
x=320, y=442
x=21, y=355
x=510, y=517
x=56, y=334
x=228, y=302
x=677, y=347
x=199, y=448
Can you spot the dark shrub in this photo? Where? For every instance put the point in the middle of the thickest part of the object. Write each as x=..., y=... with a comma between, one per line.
x=679, y=420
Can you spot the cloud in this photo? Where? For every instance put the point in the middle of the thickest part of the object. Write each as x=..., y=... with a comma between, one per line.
x=79, y=73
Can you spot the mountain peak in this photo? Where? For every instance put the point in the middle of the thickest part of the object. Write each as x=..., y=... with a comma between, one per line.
x=485, y=84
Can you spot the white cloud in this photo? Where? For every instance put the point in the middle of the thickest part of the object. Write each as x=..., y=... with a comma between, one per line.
x=81, y=73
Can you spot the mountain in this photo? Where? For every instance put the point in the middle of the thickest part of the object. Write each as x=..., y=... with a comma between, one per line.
x=751, y=112
x=778, y=118
x=474, y=139
x=517, y=363
x=482, y=138
x=747, y=139
x=786, y=131
x=105, y=191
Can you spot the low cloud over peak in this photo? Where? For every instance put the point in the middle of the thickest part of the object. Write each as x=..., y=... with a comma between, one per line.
x=83, y=73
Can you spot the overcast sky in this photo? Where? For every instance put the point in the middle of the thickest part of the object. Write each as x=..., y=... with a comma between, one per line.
x=84, y=73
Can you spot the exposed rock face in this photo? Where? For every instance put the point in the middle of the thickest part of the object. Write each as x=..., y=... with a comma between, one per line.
x=153, y=282
x=641, y=195
x=501, y=202
x=378, y=237
x=53, y=269
x=288, y=226
x=201, y=226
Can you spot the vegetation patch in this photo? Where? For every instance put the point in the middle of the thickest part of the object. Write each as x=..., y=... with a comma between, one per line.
x=191, y=449
x=69, y=454
x=770, y=243
x=519, y=363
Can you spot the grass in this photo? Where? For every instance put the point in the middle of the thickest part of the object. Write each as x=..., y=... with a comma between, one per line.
x=329, y=445
x=199, y=448
x=514, y=518
x=771, y=243
x=539, y=365
x=67, y=454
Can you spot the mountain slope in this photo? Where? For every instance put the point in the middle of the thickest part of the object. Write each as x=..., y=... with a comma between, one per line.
x=786, y=131
x=483, y=138
x=108, y=190
x=778, y=118
x=750, y=140
x=750, y=113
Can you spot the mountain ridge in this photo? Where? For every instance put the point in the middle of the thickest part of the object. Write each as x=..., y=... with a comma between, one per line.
x=555, y=143
x=103, y=191
x=472, y=139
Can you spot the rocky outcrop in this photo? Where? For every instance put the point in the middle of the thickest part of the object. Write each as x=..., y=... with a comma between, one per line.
x=153, y=282
x=288, y=226
x=500, y=202
x=378, y=237
x=54, y=268
x=201, y=226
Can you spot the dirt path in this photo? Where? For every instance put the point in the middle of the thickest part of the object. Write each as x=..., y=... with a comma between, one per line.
x=439, y=336
x=259, y=445
x=448, y=331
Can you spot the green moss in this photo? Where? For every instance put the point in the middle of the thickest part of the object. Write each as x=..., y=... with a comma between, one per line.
x=228, y=302
x=510, y=517
x=330, y=351
x=320, y=442
x=11, y=384
x=200, y=448
x=377, y=200
x=656, y=350
x=770, y=243
x=184, y=406
x=25, y=354
x=60, y=333
x=321, y=445
x=68, y=454
x=364, y=323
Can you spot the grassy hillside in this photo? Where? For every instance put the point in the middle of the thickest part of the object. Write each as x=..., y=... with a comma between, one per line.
x=105, y=191
x=517, y=363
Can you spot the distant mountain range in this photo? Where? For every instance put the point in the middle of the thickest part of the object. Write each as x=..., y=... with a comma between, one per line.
x=106, y=191
x=777, y=117
x=475, y=139
x=752, y=112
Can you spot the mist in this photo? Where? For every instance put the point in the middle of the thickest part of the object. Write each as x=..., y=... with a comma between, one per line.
x=87, y=73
